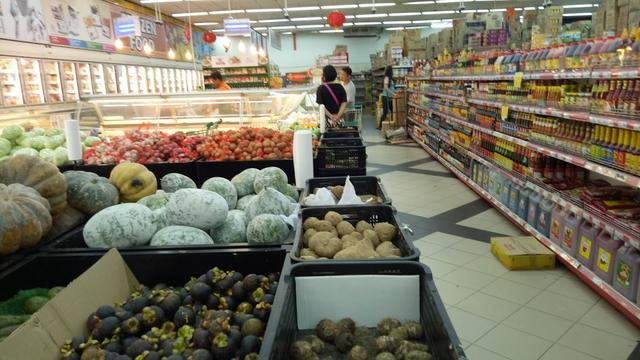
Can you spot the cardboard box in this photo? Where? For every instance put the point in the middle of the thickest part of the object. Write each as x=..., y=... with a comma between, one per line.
x=340, y=49
x=415, y=43
x=417, y=54
x=522, y=253
x=634, y=5
x=622, y=21
x=396, y=40
x=634, y=19
x=610, y=20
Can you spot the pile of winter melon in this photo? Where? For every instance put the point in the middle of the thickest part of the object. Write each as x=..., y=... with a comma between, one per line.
x=255, y=207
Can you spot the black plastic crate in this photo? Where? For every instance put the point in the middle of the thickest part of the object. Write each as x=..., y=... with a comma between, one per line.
x=228, y=169
x=339, y=133
x=364, y=185
x=341, y=157
x=170, y=267
x=341, y=141
x=372, y=214
x=159, y=170
x=282, y=328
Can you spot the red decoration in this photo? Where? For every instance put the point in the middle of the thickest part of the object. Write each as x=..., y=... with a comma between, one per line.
x=209, y=37
x=187, y=32
x=335, y=19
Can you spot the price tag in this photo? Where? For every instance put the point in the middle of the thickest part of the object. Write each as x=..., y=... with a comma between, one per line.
x=517, y=80
x=504, y=112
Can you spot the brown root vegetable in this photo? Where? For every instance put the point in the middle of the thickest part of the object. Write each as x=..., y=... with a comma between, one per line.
x=323, y=225
x=417, y=355
x=327, y=247
x=371, y=199
x=405, y=347
x=344, y=341
x=326, y=330
x=349, y=242
x=310, y=222
x=386, y=325
x=318, y=237
x=362, y=225
x=301, y=350
x=308, y=252
x=333, y=217
x=345, y=228
x=307, y=235
x=347, y=324
x=400, y=333
x=386, y=343
x=317, y=345
x=336, y=191
x=387, y=248
x=361, y=250
x=307, y=257
x=358, y=353
x=414, y=330
x=385, y=356
x=372, y=236
x=385, y=231
x=357, y=235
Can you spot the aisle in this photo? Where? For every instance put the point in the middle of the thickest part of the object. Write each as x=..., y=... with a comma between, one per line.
x=498, y=314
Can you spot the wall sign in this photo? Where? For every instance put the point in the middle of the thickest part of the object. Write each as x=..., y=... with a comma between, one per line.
x=80, y=24
x=152, y=35
x=23, y=20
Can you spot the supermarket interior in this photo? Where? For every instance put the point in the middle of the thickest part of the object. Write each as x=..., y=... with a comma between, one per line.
x=304, y=179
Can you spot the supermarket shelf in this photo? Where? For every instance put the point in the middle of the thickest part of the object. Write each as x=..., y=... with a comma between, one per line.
x=629, y=309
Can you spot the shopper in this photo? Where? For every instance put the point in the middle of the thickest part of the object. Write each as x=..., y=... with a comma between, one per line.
x=218, y=82
x=345, y=77
x=332, y=95
x=387, y=94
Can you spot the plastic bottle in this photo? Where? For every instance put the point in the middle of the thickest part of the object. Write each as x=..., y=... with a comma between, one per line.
x=533, y=211
x=587, y=243
x=557, y=223
x=514, y=197
x=570, y=232
x=625, y=278
x=606, y=251
x=523, y=203
x=544, y=216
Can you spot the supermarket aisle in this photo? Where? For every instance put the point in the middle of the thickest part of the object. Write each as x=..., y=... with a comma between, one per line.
x=498, y=314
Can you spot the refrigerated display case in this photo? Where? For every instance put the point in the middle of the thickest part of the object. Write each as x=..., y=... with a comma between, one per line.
x=132, y=78
x=98, y=79
x=84, y=79
x=172, y=81
x=123, y=79
x=69, y=81
x=51, y=74
x=158, y=82
x=142, y=80
x=150, y=80
x=179, y=80
x=166, y=87
x=31, y=81
x=110, y=79
x=10, y=80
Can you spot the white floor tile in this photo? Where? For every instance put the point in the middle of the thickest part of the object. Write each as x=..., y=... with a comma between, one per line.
x=559, y=352
x=455, y=257
x=540, y=279
x=514, y=344
x=394, y=155
x=487, y=265
x=559, y=305
x=511, y=291
x=488, y=306
x=603, y=316
x=438, y=268
x=472, y=246
x=433, y=166
x=428, y=248
x=538, y=323
x=475, y=352
x=451, y=293
x=469, y=278
x=574, y=288
x=469, y=326
x=597, y=343
x=442, y=239
x=483, y=220
x=507, y=228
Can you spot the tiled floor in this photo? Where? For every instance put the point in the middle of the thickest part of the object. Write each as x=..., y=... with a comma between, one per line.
x=498, y=314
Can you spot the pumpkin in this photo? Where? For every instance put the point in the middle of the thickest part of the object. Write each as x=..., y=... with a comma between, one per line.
x=120, y=226
x=24, y=217
x=38, y=174
x=89, y=192
x=173, y=182
x=134, y=181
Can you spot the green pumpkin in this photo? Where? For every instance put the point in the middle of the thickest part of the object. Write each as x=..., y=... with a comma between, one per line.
x=24, y=218
x=89, y=192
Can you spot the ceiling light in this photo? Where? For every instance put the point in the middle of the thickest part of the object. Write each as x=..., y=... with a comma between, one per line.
x=441, y=25
x=263, y=10
x=518, y=9
x=350, y=17
x=222, y=12
x=334, y=7
x=221, y=31
x=287, y=33
x=496, y=10
x=331, y=31
x=347, y=24
x=375, y=5
x=540, y=7
x=438, y=12
x=395, y=28
x=311, y=18
x=158, y=1
x=468, y=11
x=362, y=16
x=118, y=44
x=577, y=14
x=417, y=27
x=205, y=23
x=310, y=26
x=201, y=13
x=430, y=21
x=272, y=20
x=530, y=8
x=579, y=6
x=451, y=1
x=367, y=23
x=418, y=2
x=283, y=27
x=303, y=8
x=596, y=5
x=260, y=28
x=397, y=22
x=483, y=10
x=405, y=14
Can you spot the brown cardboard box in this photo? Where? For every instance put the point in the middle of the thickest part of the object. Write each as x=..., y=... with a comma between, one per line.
x=522, y=253
x=415, y=43
x=417, y=54
x=396, y=40
x=340, y=49
x=634, y=5
x=634, y=19
x=622, y=2
x=412, y=33
x=622, y=21
x=610, y=20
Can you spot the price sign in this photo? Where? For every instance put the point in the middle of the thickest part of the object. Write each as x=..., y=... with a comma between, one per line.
x=504, y=112
x=517, y=80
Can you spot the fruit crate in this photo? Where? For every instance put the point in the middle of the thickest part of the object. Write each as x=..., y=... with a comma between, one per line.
x=159, y=169
x=341, y=157
x=73, y=242
x=173, y=268
x=364, y=185
x=228, y=169
x=372, y=214
x=282, y=329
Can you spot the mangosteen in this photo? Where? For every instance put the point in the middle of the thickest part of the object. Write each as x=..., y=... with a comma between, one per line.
x=219, y=325
x=136, y=304
x=235, y=336
x=262, y=311
x=244, y=308
x=273, y=277
x=160, y=286
x=183, y=292
x=152, y=316
x=227, y=303
x=166, y=347
x=170, y=304
x=252, y=326
x=201, y=354
x=273, y=288
x=248, y=344
x=200, y=291
x=176, y=357
x=268, y=298
x=123, y=357
x=105, y=311
x=114, y=346
x=110, y=355
x=238, y=291
x=256, y=296
x=347, y=324
x=240, y=318
x=236, y=276
x=301, y=350
x=77, y=341
x=92, y=321
x=252, y=356
x=138, y=347
x=201, y=339
x=153, y=355
x=128, y=341
x=251, y=282
x=108, y=327
x=71, y=356
x=93, y=352
x=223, y=285
x=187, y=300
x=213, y=302
x=326, y=330
x=131, y=326
x=123, y=314
x=344, y=341
x=221, y=348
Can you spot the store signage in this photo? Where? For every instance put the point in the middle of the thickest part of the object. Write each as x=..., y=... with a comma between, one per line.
x=151, y=36
x=127, y=26
x=237, y=27
x=23, y=20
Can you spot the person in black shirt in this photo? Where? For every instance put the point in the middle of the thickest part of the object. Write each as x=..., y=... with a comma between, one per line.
x=332, y=95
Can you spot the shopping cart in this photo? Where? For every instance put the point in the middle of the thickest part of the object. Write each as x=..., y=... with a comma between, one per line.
x=353, y=117
x=208, y=131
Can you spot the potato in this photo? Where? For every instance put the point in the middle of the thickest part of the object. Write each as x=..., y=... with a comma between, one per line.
x=357, y=235
x=323, y=225
x=319, y=236
x=387, y=249
x=336, y=191
x=308, y=252
x=348, y=241
x=363, y=225
x=310, y=222
x=307, y=235
x=368, y=244
x=308, y=257
x=333, y=217
x=372, y=236
x=385, y=356
x=326, y=247
x=345, y=228
x=385, y=231
x=417, y=355
x=359, y=251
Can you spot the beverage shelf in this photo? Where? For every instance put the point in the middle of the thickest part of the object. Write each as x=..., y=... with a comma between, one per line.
x=626, y=307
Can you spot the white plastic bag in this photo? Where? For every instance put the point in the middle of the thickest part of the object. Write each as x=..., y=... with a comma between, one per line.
x=349, y=196
x=322, y=197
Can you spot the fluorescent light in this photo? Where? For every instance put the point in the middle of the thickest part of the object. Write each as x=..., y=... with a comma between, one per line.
x=405, y=14
x=303, y=8
x=218, y=31
x=350, y=17
x=205, y=23
x=158, y=1
x=222, y=12
x=578, y=14
x=287, y=33
x=201, y=13
x=310, y=26
x=530, y=8
x=363, y=16
x=367, y=23
x=284, y=27
x=518, y=9
x=331, y=31
x=418, y=2
x=417, y=27
x=441, y=25
x=333, y=7
x=438, y=12
x=311, y=18
x=497, y=10
x=395, y=28
x=377, y=5
x=540, y=7
x=451, y=1
x=579, y=6
x=468, y=11
x=263, y=10
x=347, y=24
x=430, y=21
x=483, y=10
x=272, y=20
x=260, y=28
x=397, y=22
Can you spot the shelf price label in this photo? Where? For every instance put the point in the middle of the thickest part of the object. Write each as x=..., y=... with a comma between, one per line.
x=517, y=80
x=504, y=112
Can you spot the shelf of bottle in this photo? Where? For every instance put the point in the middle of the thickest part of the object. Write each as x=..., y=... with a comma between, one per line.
x=432, y=130
x=619, y=73
x=626, y=307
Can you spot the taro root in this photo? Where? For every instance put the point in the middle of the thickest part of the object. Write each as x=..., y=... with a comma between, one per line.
x=388, y=249
x=310, y=222
x=326, y=330
x=326, y=247
x=356, y=235
x=348, y=241
x=319, y=236
x=344, y=341
x=400, y=333
x=414, y=330
x=417, y=355
x=308, y=253
x=387, y=343
x=385, y=356
x=345, y=228
x=385, y=231
x=323, y=225
x=333, y=217
x=346, y=324
x=362, y=225
x=336, y=191
x=317, y=345
x=358, y=353
x=386, y=325
x=307, y=235
x=302, y=350
x=405, y=347
x=372, y=236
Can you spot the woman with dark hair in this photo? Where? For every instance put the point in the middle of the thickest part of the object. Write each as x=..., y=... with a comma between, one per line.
x=387, y=93
x=332, y=95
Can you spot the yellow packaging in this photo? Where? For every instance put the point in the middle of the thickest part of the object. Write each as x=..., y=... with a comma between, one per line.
x=522, y=253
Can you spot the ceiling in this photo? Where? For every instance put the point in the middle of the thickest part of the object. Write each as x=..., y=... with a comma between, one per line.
x=391, y=15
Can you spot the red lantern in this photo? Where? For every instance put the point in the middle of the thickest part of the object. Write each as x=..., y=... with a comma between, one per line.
x=209, y=37
x=335, y=19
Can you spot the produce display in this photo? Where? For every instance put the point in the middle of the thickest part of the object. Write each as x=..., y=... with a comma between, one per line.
x=48, y=144
x=336, y=196
x=335, y=238
x=390, y=340
x=18, y=309
x=219, y=315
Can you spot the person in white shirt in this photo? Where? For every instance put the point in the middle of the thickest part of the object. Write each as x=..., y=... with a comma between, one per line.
x=345, y=77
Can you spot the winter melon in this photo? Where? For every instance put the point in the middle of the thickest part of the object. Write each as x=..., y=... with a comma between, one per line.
x=180, y=235
x=120, y=226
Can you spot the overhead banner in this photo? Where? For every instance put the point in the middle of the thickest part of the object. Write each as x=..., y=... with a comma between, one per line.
x=152, y=35
x=177, y=40
x=80, y=24
x=23, y=20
